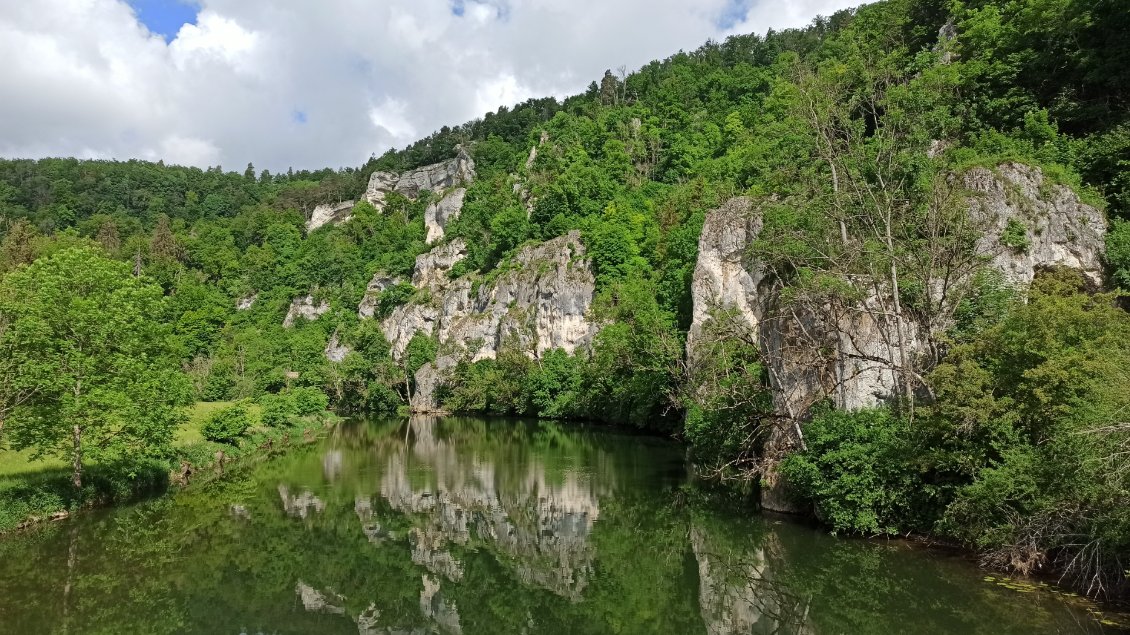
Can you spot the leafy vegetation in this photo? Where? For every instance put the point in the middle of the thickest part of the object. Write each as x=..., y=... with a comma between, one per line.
x=1019, y=455
x=227, y=425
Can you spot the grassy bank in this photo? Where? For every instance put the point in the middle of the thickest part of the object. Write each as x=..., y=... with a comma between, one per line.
x=35, y=490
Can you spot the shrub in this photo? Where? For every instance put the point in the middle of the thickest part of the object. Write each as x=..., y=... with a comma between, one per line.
x=1015, y=236
x=393, y=297
x=308, y=401
x=276, y=410
x=227, y=425
x=1118, y=253
x=855, y=472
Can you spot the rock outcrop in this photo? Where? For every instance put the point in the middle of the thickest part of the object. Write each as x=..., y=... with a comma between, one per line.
x=335, y=350
x=537, y=302
x=432, y=268
x=325, y=214
x=440, y=213
x=446, y=180
x=306, y=308
x=853, y=352
x=377, y=286
x=1059, y=229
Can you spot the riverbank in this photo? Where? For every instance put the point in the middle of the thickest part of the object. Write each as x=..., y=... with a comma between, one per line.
x=36, y=491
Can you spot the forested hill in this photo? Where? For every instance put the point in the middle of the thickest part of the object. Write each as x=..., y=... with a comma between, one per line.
x=850, y=140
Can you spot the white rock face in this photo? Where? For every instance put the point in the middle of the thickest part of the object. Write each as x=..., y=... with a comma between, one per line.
x=447, y=180
x=725, y=276
x=439, y=214
x=380, y=184
x=432, y=267
x=304, y=307
x=850, y=353
x=377, y=285
x=439, y=176
x=1060, y=229
x=336, y=351
x=335, y=213
x=247, y=302
x=539, y=304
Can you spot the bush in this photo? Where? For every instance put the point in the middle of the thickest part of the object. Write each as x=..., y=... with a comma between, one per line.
x=276, y=410
x=1118, y=253
x=308, y=401
x=227, y=425
x=1015, y=236
x=393, y=297
x=856, y=473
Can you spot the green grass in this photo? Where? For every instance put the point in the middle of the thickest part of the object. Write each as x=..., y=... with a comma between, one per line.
x=198, y=413
x=15, y=465
x=38, y=489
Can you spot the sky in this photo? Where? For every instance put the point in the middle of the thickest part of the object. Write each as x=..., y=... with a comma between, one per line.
x=305, y=84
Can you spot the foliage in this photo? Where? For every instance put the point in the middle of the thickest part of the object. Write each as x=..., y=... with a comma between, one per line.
x=1019, y=454
x=227, y=425
x=308, y=401
x=635, y=361
x=855, y=470
x=1043, y=398
x=1015, y=236
x=277, y=410
x=729, y=405
x=108, y=384
x=1118, y=253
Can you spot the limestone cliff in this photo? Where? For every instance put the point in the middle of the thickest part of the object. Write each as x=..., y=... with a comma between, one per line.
x=852, y=353
x=537, y=302
x=1058, y=228
x=446, y=180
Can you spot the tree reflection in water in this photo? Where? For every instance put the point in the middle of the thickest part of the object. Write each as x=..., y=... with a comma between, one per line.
x=456, y=526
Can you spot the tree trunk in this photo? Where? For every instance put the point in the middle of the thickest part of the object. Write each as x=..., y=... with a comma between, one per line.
x=77, y=464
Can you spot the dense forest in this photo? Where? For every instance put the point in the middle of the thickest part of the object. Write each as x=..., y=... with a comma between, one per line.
x=123, y=281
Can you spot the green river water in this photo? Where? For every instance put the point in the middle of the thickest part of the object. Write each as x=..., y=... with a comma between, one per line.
x=473, y=526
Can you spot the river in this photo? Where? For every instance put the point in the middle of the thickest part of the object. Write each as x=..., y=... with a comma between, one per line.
x=464, y=525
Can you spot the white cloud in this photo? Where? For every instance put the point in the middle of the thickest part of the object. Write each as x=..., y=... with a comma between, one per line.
x=294, y=83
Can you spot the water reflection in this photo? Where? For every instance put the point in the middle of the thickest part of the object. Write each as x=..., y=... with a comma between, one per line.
x=464, y=526
x=540, y=524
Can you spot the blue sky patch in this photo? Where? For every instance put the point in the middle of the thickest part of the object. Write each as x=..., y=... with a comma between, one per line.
x=733, y=13
x=165, y=17
x=501, y=8
x=298, y=117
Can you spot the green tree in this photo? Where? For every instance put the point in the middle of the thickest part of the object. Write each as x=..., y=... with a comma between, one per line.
x=110, y=382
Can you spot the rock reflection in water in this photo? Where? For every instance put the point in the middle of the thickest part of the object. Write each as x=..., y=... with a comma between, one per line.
x=544, y=526
x=302, y=505
x=737, y=592
x=469, y=526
